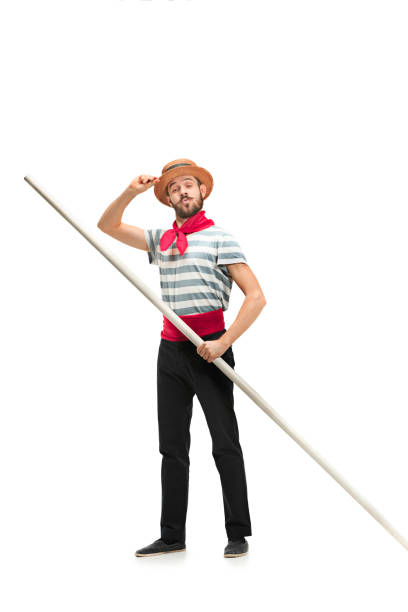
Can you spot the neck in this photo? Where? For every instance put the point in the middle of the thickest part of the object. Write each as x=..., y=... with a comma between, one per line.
x=180, y=220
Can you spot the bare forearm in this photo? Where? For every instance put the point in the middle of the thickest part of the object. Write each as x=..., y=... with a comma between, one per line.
x=249, y=311
x=113, y=214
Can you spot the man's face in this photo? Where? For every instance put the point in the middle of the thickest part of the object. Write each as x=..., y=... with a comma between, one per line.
x=186, y=196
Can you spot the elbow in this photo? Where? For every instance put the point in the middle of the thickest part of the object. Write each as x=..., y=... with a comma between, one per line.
x=258, y=297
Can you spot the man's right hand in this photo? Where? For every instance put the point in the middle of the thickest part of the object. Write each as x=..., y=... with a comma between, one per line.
x=142, y=183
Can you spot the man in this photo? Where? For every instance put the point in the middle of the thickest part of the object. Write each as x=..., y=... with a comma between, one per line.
x=198, y=262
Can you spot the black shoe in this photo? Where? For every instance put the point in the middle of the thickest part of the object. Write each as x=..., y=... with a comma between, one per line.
x=159, y=547
x=236, y=548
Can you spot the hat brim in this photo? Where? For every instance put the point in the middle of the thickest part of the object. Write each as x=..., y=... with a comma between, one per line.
x=201, y=173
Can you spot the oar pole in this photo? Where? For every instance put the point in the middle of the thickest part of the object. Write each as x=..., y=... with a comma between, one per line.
x=220, y=363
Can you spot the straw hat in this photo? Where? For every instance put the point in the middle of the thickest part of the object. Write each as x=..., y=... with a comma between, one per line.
x=179, y=167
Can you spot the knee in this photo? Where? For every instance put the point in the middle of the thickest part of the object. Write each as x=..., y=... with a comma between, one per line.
x=175, y=452
x=230, y=451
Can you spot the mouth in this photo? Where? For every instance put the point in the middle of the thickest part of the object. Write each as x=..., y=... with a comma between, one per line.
x=184, y=200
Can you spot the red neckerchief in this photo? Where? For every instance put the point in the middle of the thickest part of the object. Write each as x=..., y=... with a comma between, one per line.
x=193, y=224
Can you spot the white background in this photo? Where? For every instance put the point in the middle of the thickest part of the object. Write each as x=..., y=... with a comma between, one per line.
x=298, y=109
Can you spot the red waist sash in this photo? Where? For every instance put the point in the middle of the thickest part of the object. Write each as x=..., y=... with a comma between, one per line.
x=202, y=323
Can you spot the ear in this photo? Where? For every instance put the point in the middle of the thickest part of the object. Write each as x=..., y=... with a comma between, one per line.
x=168, y=200
x=203, y=189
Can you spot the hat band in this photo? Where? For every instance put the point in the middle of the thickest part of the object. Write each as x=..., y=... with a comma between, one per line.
x=176, y=166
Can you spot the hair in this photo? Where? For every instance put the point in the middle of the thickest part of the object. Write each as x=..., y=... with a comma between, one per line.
x=198, y=183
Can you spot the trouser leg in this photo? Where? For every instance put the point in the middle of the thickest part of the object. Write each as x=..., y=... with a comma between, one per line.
x=175, y=404
x=215, y=394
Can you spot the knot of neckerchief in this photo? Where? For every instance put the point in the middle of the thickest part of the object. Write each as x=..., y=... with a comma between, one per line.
x=194, y=223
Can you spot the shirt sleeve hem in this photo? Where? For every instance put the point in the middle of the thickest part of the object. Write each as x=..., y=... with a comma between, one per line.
x=231, y=261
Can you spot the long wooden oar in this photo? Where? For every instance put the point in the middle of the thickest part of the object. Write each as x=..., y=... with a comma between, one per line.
x=222, y=365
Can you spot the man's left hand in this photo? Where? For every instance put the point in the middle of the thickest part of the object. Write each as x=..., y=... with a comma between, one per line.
x=211, y=349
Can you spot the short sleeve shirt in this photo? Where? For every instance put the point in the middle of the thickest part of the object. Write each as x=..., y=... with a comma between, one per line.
x=197, y=281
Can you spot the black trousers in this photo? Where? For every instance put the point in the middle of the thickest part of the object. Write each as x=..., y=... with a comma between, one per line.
x=182, y=373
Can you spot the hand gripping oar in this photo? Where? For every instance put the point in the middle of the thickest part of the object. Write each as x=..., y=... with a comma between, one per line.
x=222, y=365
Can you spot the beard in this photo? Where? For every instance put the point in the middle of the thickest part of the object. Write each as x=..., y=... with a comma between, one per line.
x=184, y=211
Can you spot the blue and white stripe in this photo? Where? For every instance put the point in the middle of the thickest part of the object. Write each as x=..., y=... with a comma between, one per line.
x=197, y=281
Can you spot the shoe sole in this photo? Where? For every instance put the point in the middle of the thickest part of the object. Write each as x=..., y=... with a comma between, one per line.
x=237, y=555
x=164, y=552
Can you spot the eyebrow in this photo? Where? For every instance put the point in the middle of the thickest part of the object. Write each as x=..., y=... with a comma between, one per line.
x=189, y=178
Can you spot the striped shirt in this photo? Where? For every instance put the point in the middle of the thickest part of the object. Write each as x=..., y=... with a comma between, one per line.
x=197, y=281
